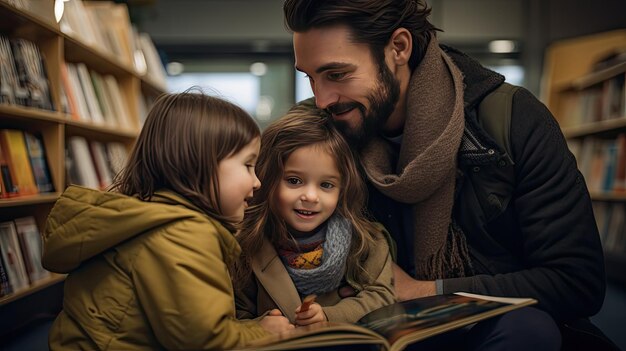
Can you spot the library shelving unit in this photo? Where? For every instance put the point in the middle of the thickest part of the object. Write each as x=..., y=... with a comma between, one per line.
x=584, y=88
x=37, y=24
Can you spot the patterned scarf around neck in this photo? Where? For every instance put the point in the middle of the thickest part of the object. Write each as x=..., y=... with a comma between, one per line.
x=425, y=172
x=329, y=274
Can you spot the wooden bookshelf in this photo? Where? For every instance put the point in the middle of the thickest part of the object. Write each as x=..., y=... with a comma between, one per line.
x=606, y=127
x=33, y=288
x=56, y=127
x=590, y=105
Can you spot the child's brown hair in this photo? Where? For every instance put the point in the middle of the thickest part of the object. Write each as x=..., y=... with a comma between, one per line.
x=183, y=139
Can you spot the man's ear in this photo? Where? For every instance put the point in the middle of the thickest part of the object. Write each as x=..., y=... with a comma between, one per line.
x=400, y=46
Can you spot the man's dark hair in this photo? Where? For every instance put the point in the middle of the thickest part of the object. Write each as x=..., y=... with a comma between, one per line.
x=371, y=21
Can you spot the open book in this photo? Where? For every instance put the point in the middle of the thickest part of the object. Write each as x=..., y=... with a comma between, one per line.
x=395, y=326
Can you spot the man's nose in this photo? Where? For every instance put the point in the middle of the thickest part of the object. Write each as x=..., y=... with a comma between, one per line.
x=325, y=97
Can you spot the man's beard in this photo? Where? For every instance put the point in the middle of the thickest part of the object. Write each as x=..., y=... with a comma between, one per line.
x=382, y=101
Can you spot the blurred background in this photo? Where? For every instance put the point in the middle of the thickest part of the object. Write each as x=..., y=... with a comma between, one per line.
x=241, y=48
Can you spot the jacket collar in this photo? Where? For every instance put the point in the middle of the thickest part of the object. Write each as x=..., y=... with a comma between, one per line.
x=172, y=198
x=477, y=147
x=232, y=248
x=273, y=276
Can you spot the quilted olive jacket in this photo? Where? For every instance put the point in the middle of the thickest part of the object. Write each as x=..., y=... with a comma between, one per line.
x=142, y=275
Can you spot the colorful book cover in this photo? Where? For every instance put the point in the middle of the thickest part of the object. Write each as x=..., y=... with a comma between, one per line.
x=14, y=147
x=38, y=162
x=12, y=256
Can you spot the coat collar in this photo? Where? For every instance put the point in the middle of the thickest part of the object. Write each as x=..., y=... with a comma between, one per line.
x=477, y=147
x=272, y=275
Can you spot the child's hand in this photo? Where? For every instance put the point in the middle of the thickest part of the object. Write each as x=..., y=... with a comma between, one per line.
x=275, y=322
x=313, y=315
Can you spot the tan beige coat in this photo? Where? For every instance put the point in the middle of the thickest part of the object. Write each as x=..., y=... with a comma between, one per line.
x=273, y=288
x=143, y=275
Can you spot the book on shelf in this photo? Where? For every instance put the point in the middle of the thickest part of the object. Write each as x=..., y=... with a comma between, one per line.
x=398, y=325
x=89, y=93
x=64, y=103
x=23, y=75
x=112, y=20
x=38, y=162
x=32, y=74
x=76, y=91
x=102, y=97
x=615, y=238
x=7, y=186
x=30, y=242
x=18, y=4
x=76, y=22
x=11, y=90
x=620, y=171
x=81, y=169
x=119, y=104
x=5, y=286
x=155, y=69
x=69, y=92
x=14, y=147
x=117, y=155
x=101, y=163
x=12, y=256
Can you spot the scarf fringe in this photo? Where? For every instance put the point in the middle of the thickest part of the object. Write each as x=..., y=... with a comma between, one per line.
x=452, y=260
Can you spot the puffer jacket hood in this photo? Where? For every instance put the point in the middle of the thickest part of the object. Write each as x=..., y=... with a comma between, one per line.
x=84, y=223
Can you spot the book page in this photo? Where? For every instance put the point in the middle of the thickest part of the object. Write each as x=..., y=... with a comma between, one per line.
x=410, y=321
x=319, y=335
x=511, y=300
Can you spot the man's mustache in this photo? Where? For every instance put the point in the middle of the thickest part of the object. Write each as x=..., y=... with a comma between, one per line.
x=343, y=107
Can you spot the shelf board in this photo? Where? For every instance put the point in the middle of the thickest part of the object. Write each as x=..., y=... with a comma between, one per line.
x=29, y=200
x=25, y=112
x=595, y=77
x=38, y=285
x=95, y=58
x=607, y=196
x=595, y=128
x=98, y=132
x=12, y=18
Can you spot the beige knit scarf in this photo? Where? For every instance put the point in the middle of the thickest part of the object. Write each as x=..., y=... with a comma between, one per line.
x=426, y=168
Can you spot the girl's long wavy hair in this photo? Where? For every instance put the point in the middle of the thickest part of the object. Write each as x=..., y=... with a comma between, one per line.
x=302, y=126
x=183, y=140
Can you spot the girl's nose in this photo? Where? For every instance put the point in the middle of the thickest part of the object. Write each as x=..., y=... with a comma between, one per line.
x=310, y=195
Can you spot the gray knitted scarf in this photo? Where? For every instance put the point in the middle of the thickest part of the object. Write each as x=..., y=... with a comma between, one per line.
x=425, y=172
x=329, y=274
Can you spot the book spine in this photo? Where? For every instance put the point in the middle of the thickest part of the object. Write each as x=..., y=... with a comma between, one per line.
x=37, y=156
x=12, y=256
x=7, y=186
x=5, y=286
x=14, y=147
x=30, y=242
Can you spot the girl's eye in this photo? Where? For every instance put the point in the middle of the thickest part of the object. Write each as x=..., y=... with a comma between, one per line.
x=327, y=185
x=294, y=181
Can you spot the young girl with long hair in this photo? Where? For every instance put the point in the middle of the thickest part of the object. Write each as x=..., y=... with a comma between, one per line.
x=147, y=263
x=305, y=233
